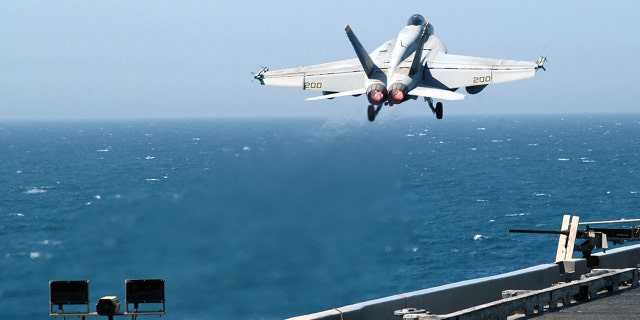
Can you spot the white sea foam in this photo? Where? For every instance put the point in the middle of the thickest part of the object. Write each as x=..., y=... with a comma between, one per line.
x=518, y=214
x=541, y=194
x=47, y=242
x=35, y=190
x=478, y=237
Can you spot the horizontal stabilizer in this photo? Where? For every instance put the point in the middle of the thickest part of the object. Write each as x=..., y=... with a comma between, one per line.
x=436, y=93
x=338, y=94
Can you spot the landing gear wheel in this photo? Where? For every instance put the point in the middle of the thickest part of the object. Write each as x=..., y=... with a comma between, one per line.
x=371, y=113
x=439, y=110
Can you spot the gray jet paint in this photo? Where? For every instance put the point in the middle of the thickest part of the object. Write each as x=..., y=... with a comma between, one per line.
x=414, y=64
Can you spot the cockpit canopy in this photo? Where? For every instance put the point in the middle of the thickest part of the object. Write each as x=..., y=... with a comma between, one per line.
x=416, y=20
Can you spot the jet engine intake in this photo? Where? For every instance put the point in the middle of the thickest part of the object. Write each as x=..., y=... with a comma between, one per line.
x=475, y=89
x=397, y=93
x=377, y=93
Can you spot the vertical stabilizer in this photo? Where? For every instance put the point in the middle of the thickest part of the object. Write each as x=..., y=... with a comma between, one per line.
x=415, y=66
x=365, y=59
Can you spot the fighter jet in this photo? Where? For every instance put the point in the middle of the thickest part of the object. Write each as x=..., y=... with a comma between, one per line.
x=414, y=64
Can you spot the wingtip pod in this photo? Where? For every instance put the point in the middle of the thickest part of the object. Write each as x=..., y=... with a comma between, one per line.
x=347, y=28
x=540, y=63
x=260, y=75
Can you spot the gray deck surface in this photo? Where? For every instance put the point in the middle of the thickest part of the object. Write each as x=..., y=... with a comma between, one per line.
x=625, y=305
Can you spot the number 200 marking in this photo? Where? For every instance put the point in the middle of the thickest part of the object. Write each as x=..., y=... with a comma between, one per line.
x=486, y=79
x=313, y=85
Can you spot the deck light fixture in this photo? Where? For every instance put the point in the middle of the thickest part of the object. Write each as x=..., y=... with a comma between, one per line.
x=68, y=292
x=147, y=291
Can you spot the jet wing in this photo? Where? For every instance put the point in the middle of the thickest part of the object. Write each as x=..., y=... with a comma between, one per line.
x=332, y=77
x=456, y=71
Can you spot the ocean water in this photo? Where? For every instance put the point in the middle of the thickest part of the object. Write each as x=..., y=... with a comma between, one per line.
x=273, y=218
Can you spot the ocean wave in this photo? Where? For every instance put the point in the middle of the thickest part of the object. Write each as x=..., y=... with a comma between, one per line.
x=541, y=194
x=35, y=190
x=379, y=192
x=47, y=242
x=518, y=214
x=31, y=255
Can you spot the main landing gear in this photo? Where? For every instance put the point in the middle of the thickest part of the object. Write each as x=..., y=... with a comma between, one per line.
x=437, y=110
x=372, y=112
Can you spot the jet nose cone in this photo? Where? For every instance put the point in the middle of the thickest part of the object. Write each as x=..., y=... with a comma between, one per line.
x=416, y=20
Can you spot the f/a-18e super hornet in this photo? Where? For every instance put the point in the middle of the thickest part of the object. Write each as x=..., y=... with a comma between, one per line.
x=414, y=64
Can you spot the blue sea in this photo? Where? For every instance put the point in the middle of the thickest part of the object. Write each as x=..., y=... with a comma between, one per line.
x=273, y=218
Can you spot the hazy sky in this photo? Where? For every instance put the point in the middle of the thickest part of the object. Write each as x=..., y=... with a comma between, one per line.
x=149, y=59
